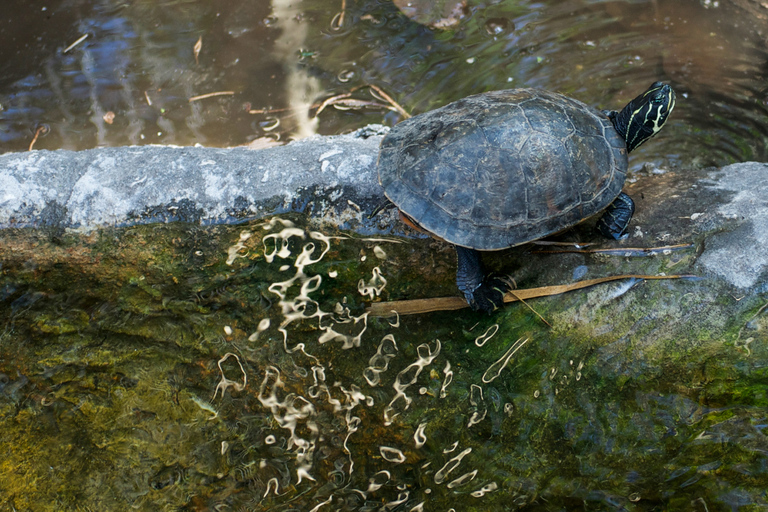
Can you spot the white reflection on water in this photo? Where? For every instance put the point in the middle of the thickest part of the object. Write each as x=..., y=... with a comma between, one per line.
x=408, y=377
x=494, y=370
x=322, y=411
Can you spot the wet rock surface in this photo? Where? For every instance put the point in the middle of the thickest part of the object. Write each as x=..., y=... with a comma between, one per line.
x=721, y=210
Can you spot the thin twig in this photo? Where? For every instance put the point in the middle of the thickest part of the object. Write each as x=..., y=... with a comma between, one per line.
x=392, y=102
x=330, y=100
x=211, y=94
x=43, y=130
x=415, y=306
x=338, y=21
x=80, y=40
x=511, y=292
x=273, y=110
x=577, y=245
x=338, y=100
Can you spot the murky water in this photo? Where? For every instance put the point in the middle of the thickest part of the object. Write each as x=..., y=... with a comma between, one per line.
x=174, y=367
x=277, y=62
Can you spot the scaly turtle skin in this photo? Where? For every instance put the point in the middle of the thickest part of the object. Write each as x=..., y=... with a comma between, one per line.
x=503, y=168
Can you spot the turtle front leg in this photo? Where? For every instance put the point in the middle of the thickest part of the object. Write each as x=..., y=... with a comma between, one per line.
x=615, y=220
x=483, y=292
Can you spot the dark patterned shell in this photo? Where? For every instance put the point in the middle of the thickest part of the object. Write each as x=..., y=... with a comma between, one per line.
x=503, y=168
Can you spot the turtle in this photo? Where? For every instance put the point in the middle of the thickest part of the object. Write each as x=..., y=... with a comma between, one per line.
x=498, y=169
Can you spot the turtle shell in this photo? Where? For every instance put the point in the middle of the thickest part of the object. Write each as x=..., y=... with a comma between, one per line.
x=503, y=168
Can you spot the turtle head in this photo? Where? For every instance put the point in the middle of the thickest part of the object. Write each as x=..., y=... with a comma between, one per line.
x=644, y=116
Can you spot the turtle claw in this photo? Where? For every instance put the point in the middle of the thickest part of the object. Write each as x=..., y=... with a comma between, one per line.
x=489, y=296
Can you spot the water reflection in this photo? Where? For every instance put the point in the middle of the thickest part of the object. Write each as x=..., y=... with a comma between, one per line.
x=187, y=367
x=138, y=62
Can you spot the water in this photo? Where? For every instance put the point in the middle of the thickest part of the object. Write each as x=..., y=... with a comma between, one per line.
x=174, y=367
x=283, y=59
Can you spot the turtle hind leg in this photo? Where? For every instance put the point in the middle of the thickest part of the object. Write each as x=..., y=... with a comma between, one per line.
x=615, y=221
x=483, y=292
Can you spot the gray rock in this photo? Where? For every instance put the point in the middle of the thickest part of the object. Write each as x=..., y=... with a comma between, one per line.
x=331, y=178
x=739, y=254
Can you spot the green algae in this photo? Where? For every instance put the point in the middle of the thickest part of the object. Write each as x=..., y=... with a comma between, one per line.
x=139, y=369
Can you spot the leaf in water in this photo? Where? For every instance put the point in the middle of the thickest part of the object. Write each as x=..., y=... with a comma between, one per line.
x=353, y=104
x=196, y=49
